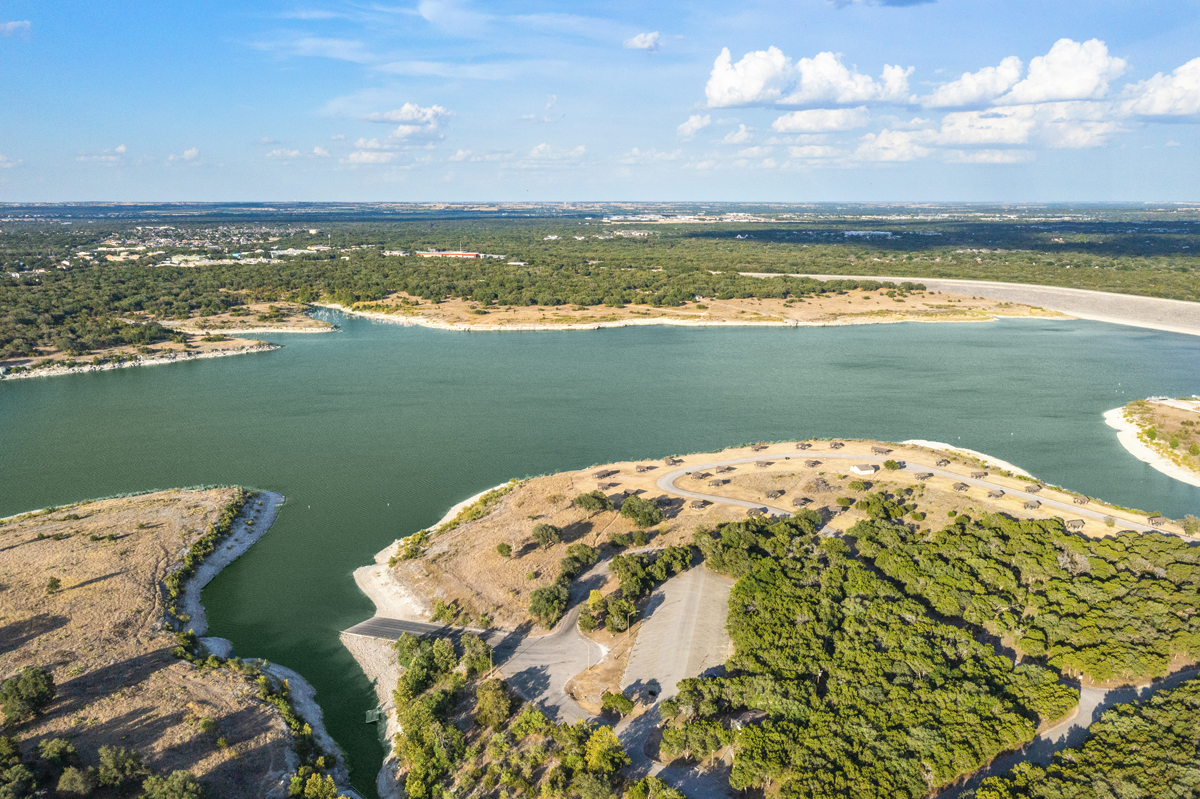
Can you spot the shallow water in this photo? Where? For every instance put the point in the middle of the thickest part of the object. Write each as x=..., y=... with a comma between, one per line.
x=375, y=431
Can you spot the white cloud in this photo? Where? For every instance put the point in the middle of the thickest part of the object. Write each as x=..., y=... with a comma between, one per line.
x=338, y=137
x=1176, y=94
x=768, y=76
x=825, y=78
x=997, y=126
x=1172, y=143
x=370, y=157
x=977, y=87
x=265, y=141
x=544, y=152
x=189, y=154
x=822, y=120
x=643, y=41
x=416, y=121
x=1071, y=125
x=282, y=153
x=812, y=151
x=374, y=144
x=1070, y=71
x=120, y=148
x=321, y=47
x=737, y=136
x=755, y=152
x=988, y=156
x=892, y=145
x=757, y=78
x=320, y=152
x=638, y=156
x=461, y=155
x=8, y=163
x=14, y=28
x=112, y=156
x=693, y=125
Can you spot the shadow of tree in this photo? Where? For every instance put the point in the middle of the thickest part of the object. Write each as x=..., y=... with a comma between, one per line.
x=18, y=633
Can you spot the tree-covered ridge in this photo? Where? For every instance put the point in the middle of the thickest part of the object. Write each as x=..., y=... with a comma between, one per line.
x=865, y=693
x=1148, y=749
x=1121, y=607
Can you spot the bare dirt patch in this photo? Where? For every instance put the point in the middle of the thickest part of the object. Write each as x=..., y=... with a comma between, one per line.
x=101, y=636
x=852, y=307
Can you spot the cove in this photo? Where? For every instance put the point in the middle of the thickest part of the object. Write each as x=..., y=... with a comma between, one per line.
x=373, y=432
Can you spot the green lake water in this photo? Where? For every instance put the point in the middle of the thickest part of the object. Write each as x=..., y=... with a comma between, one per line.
x=373, y=432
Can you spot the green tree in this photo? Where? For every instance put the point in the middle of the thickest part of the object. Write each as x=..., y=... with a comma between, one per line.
x=546, y=535
x=892, y=465
x=444, y=657
x=595, y=601
x=120, y=767
x=75, y=782
x=178, y=785
x=652, y=788
x=477, y=654
x=548, y=604
x=493, y=704
x=505, y=550
x=616, y=702
x=593, y=502
x=52, y=585
x=1191, y=525
x=619, y=614
x=643, y=512
x=27, y=694
x=604, y=752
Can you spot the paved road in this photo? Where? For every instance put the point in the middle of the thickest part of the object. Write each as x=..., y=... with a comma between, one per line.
x=391, y=629
x=667, y=483
x=1175, y=316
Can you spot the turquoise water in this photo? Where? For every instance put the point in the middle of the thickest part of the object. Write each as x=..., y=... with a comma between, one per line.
x=375, y=431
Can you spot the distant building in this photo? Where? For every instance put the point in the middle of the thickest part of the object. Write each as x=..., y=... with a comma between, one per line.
x=448, y=254
x=397, y=253
x=864, y=468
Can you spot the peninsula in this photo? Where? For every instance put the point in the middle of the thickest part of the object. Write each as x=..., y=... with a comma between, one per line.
x=100, y=606
x=1162, y=432
x=644, y=574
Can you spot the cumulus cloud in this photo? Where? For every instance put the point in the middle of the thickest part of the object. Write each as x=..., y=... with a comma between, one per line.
x=370, y=157
x=15, y=28
x=1072, y=125
x=282, y=153
x=8, y=163
x=190, y=154
x=988, y=156
x=822, y=120
x=639, y=156
x=1177, y=94
x=694, y=124
x=977, y=87
x=769, y=77
x=112, y=156
x=742, y=134
x=545, y=152
x=810, y=151
x=461, y=155
x=643, y=41
x=320, y=152
x=415, y=121
x=1070, y=71
x=892, y=145
x=374, y=144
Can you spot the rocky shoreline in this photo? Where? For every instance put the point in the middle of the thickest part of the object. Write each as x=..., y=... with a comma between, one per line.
x=174, y=357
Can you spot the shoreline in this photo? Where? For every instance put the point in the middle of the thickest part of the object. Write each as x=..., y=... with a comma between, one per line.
x=418, y=320
x=58, y=371
x=938, y=445
x=303, y=695
x=1128, y=436
x=376, y=657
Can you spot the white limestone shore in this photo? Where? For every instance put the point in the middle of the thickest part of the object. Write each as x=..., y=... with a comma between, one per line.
x=174, y=357
x=1128, y=435
x=919, y=442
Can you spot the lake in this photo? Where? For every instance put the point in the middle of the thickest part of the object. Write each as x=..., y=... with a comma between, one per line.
x=375, y=431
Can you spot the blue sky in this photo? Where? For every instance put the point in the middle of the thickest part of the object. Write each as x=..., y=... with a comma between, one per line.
x=799, y=100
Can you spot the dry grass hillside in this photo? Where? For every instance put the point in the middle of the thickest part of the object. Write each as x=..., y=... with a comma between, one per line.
x=100, y=633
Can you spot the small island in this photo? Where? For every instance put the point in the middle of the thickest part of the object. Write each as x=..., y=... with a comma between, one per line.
x=1163, y=432
x=729, y=615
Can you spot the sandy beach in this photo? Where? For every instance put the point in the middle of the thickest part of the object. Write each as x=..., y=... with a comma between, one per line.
x=918, y=442
x=1127, y=434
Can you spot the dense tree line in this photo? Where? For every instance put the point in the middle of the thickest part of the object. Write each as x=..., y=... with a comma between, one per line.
x=865, y=693
x=463, y=734
x=1146, y=749
x=1120, y=607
